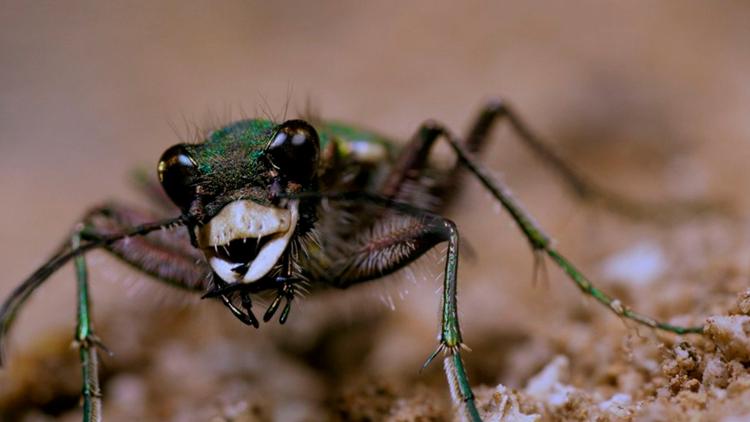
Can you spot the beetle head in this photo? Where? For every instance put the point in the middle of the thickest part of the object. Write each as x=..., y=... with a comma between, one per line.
x=233, y=187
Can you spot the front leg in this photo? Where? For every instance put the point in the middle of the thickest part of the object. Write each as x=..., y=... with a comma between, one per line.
x=131, y=236
x=393, y=242
x=87, y=342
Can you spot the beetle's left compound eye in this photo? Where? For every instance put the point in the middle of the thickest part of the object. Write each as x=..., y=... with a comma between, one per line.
x=177, y=173
x=294, y=150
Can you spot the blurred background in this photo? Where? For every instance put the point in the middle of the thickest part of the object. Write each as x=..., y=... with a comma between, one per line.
x=648, y=99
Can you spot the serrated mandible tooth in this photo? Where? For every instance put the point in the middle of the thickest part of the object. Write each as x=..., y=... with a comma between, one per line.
x=241, y=269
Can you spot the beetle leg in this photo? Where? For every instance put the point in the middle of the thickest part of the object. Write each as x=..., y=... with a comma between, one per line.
x=131, y=236
x=497, y=111
x=284, y=290
x=273, y=307
x=412, y=162
x=247, y=317
x=87, y=342
x=165, y=255
x=395, y=240
x=383, y=251
x=287, y=308
x=536, y=237
x=450, y=332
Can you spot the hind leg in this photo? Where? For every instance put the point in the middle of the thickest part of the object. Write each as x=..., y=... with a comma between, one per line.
x=668, y=210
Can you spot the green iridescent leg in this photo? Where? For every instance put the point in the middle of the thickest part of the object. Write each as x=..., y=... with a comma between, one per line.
x=88, y=241
x=408, y=166
x=396, y=239
x=450, y=331
x=87, y=342
x=131, y=236
x=541, y=243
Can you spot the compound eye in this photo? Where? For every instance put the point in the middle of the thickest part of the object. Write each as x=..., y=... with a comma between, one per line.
x=294, y=150
x=177, y=174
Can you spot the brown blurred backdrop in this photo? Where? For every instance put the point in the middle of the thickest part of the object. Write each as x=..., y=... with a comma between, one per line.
x=649, y=98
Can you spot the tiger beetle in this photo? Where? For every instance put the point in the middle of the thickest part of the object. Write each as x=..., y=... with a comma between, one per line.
x=268, y=207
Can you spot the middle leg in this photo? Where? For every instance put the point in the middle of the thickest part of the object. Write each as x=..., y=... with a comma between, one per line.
x=536, y=237
x=412, y=163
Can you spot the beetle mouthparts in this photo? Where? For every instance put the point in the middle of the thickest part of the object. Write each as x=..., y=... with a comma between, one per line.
x=245, y=239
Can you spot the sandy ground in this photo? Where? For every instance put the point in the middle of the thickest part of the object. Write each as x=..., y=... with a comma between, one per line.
x=650, y=100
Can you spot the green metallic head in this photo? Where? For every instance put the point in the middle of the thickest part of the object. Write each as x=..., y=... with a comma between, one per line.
x=233, y=188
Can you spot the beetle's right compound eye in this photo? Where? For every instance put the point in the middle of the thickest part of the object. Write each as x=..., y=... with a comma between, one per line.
x=177, y=171
x=294, y=150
